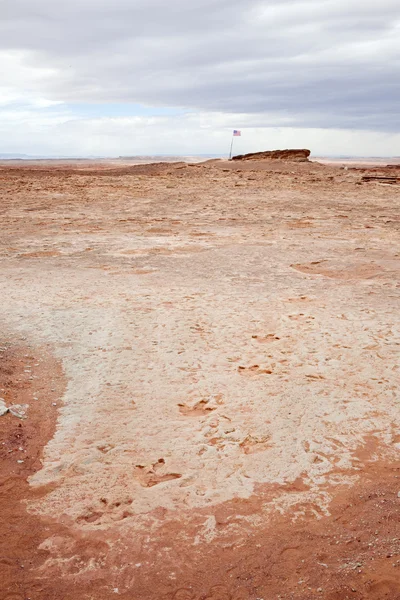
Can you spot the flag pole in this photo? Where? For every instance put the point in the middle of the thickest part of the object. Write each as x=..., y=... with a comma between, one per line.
x=230, y=153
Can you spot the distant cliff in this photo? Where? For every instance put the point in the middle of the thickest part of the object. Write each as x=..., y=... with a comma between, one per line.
x=290, y=155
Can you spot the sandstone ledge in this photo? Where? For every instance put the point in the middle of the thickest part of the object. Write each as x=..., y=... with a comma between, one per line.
x=295, y=155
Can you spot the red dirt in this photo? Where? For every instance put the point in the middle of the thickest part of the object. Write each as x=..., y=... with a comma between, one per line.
x=20, y=532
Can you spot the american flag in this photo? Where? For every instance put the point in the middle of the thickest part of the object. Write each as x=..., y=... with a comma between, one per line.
x=237, y=133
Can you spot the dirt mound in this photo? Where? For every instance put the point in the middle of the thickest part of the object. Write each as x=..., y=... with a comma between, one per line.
x=292, y=155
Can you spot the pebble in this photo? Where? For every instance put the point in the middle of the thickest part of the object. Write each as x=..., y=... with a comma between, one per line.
x=19, y=410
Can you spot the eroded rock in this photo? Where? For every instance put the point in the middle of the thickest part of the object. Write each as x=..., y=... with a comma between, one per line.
x=294, y=155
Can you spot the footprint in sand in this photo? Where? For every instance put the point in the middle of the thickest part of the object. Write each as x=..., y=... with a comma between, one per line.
x=252, y=444
x=149, y=476
x=262, y=339
x=254, y=370
x=200, y=409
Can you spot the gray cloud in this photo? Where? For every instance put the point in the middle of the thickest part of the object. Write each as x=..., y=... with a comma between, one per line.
x=331, y=63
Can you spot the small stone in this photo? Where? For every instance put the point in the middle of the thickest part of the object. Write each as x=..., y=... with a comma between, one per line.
x=3, y=407
x=19, y=410
x=398, y=494
x=20, y=462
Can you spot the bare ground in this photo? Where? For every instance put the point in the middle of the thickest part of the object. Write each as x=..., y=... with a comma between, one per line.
x=210, y=358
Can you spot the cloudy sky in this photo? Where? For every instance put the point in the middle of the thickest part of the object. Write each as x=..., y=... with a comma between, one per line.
x=117, y=77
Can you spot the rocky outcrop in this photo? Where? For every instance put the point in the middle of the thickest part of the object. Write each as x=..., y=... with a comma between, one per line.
x=289, y=155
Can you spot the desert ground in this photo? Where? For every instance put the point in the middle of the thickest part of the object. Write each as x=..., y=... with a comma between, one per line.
x=203, y=361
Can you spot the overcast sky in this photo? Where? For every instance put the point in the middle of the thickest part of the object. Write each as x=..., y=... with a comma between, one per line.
x=111, y=77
